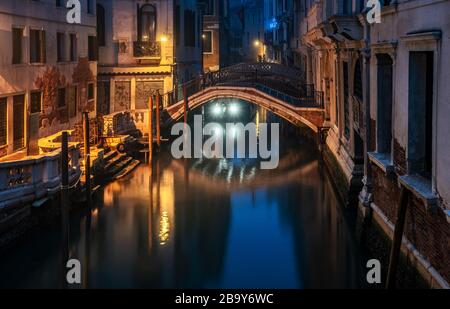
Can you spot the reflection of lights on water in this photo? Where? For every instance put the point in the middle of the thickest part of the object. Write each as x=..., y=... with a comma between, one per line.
x=164, y=228
x=94, y=213
x=257, y=124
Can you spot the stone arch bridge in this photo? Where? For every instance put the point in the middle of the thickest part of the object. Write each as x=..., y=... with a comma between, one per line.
x=275, y=87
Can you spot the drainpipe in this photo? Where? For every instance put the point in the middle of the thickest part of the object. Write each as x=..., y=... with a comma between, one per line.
x=366, y=196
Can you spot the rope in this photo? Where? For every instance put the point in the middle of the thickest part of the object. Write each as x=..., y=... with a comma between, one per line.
x=74, y=185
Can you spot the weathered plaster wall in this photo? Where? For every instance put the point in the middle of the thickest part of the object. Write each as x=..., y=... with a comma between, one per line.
x=419, y=16
x=22, y=78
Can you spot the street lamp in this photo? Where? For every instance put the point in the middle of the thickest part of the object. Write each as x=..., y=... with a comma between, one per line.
x=258, y=44
x=164, y=39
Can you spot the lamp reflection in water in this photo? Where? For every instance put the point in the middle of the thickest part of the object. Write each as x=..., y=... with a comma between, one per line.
x=162, y=204
x=164, y=228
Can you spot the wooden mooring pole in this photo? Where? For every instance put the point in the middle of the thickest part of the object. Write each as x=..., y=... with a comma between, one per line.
x=150, y=130
x=87, y=159
x=398, y=236
x=158, y=120
x=64, y=205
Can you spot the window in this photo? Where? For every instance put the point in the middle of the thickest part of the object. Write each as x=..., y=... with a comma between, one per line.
x=90, y=91
x=61, y=97
x=384, y=103
x=189, y=28
x=73, y=47
x=73, y=97
x=3, y=121
x=101, y=25
x=35, y=102
x=18, y=122
x=346, y=102
x=90, y=6
x=61, y=47
x=17, y=35
x=92, y=48
x=207, y=42
x=147, y=23
x=37, y=46
x=420, y=115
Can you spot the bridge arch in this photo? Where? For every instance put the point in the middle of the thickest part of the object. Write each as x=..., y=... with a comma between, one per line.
x=309, y=116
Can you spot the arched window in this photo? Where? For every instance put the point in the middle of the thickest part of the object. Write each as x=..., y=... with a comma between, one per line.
x=147, y=23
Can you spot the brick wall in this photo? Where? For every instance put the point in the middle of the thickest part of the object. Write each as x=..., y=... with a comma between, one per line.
x=399, y=158
x=429, y=230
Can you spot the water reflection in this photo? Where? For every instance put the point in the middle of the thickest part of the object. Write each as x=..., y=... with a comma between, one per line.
x=204, y=224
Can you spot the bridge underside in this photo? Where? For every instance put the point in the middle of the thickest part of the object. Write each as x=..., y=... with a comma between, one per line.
x=313, y=118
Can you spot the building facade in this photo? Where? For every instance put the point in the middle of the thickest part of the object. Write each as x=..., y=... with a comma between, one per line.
x=48, y=71
x=386, y=102
x=279, y=25
x=253, y=40
x=146, y=47
x=216, y=34
x=409, y=106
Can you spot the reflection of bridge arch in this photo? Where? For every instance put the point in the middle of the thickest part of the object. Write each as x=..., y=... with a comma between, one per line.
x=303, y=173
x=310, y=116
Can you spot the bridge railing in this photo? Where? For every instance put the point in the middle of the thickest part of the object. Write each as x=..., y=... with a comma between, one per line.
x=279, y=81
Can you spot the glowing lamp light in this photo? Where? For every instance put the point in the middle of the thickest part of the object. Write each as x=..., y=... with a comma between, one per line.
x=257, y=43
x=273, y=24
x=164, y=39
x=233, y=109
x=217, y=110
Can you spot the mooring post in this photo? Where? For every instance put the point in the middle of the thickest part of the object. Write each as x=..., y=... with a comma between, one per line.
x=185, y=98
x=150, y=130
x=64, y=204
x=87, y=160
x=398, y=236
x=158, y=120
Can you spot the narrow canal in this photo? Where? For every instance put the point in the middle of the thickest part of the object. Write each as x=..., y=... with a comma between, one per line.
x=204, y=224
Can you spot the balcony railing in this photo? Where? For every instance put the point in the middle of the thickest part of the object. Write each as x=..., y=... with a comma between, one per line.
x=151, y=50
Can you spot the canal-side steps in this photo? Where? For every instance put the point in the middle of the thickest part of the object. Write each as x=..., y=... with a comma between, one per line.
x=109, y=165
x=118, y=165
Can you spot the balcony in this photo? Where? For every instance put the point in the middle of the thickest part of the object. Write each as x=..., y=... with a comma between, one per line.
x=147, y=50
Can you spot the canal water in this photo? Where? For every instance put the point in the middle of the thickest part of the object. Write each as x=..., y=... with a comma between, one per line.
x=198, y=223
